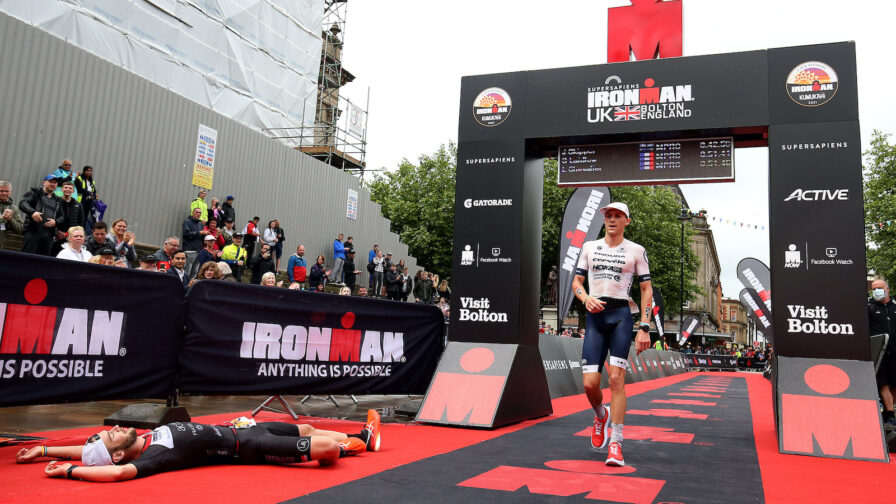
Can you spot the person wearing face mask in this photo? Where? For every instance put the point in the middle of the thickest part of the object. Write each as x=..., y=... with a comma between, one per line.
x=882, y=319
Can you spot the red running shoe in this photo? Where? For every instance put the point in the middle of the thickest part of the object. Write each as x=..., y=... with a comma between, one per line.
x=349, y=447
x=614, y=457
x=373, y=428
x=599, y=436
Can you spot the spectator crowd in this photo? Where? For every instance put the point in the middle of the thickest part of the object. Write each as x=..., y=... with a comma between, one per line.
x=63, y=217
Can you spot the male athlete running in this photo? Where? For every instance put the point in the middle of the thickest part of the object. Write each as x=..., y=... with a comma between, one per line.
x=611, y=263
x=120, y=454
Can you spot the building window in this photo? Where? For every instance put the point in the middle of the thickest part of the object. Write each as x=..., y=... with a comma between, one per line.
x=734, y=315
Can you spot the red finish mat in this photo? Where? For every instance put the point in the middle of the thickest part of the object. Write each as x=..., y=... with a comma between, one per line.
x=408, y=447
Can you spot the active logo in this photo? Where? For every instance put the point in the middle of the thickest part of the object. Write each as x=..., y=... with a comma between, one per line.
x=615, y=101
x=471, y=203
x=492, y=106
x=818, y=195
x=812, y=83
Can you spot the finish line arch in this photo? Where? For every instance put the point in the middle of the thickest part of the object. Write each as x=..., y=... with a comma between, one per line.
x=814, y=148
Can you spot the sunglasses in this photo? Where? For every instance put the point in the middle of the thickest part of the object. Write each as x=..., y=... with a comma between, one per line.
x=66, y=165
x=94, y=438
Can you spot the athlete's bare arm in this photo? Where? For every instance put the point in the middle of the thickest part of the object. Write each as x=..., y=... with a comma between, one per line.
x=642, y=340
x=103, y=474
x=592, y=304
x=28, y=455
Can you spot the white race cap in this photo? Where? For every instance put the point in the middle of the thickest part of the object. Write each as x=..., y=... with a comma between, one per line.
x=95, y=454
x=622, y=207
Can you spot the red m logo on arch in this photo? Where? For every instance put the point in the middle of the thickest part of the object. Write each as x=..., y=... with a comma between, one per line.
x=647, y=28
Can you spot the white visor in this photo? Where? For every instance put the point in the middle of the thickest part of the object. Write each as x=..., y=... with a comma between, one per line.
x=95, y=454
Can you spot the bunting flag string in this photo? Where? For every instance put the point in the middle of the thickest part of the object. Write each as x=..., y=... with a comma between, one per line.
x=880, y=224
x=734, y=222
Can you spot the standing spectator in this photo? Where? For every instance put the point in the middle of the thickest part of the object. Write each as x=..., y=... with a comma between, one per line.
x=123, y=240
x=165, y=254
x=371, y=266
x=378, y=270
x=208, y=253
x=443, y=290
x=193, y=233
x=200, y=203
x=226, y=272
x=10, y=219
x=269, y=237
x=250, y=236
x=149, y=263
x=393, y=283
x=208, y=271
x=86, y=190
x=215, y=213
x=351, y=274
x=262, y=263
x=212, y=229
x=296, y=268
x=281, y=239
x=227, y=232
x=74, y=250
x=73, y=216
x=270, y=280
x=235, y=256
x=349, y=245
x=882, y=320
x=98, y=238
x=387, y=263
x=423, y=289
x=178, y=265
x=434, y=282
x=44, y=211
x=338, y=259
x=65, y=173
x=318, y=275
x=227, y=209
x=405, y=285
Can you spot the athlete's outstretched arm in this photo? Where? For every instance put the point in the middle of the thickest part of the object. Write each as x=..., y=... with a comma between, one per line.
x=98, y=473
x=27, y=455
x=642, y=340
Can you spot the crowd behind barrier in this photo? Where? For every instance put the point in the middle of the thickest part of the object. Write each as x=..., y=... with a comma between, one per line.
x=122, y=337
x=63, y=217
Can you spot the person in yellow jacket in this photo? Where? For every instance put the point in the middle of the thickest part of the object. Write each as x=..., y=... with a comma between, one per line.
x=200, y=203
x=235, y=256
x=658, y=345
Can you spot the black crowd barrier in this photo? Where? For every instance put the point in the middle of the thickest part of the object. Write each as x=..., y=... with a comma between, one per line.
x=83, y=332
x=562, y=357
x=251, y=340
x=712, y=361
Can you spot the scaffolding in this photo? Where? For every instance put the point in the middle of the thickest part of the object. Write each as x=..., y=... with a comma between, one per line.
x=339, y=134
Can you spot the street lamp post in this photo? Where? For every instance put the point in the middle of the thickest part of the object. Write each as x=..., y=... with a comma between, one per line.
x=684, y=216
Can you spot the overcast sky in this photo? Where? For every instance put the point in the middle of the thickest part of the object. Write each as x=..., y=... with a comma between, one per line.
x=412, y=55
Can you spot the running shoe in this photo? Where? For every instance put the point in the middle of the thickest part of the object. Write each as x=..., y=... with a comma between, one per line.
x=614, y=455
x=599, y=435
x=373, y=427
x=349, y=447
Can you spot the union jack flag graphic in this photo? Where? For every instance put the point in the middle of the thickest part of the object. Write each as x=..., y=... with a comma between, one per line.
x=627, y=113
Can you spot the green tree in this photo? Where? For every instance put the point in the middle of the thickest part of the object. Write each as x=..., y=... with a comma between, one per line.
x=880, y=206
x=418, y=199
x=654, y=225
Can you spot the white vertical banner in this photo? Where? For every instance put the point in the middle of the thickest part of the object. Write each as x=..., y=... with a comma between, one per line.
x=351, y=208
x=357, y=120
x=204, y=162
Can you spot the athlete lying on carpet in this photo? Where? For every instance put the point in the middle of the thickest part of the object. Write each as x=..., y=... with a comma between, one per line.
x=119, y=454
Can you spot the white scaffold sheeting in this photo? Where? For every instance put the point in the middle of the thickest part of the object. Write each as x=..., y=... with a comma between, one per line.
x=255, y=61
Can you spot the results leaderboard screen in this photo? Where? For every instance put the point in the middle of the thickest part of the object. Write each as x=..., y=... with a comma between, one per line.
x=660, y=162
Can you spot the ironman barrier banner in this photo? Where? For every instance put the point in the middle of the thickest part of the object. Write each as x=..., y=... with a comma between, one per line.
x=247, y=339
x=116, y=339
x=712, y=361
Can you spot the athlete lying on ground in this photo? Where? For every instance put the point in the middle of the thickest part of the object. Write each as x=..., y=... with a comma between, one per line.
x=119, y=454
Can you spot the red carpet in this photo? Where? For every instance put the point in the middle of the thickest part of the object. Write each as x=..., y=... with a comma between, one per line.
x=784, y=477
